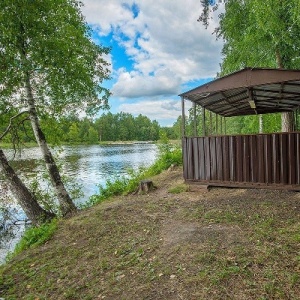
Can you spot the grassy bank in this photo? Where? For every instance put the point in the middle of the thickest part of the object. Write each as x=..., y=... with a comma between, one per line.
x=169, y=154
x=172, y=243
x=10, y=146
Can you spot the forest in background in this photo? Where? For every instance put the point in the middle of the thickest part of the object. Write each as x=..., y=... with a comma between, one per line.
x=108, y=127
x=126, y=127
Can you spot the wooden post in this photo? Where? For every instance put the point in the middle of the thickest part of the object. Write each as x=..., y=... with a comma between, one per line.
x=183, y=118
x=195, y=119
x=203, y=122
x=210, y=123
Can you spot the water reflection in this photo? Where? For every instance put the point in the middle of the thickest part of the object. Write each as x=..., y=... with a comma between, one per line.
x=12, y=226
x=93, y=165
x=87, y=165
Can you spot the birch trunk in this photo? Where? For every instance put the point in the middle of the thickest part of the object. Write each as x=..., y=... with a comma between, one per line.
x=287, y=122
x=66, y=204
x=25, y=198
x=287, y=118
x=261, y=124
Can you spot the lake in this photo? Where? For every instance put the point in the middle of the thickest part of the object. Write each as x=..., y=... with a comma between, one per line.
x=89, y=166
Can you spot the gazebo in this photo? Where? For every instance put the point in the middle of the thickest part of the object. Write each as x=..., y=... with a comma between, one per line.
x=253, y=160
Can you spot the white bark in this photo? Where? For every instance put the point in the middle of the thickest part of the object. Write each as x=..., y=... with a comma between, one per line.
x=25, y=198
x=261, y=124
x=65, y=202
x=287, y=122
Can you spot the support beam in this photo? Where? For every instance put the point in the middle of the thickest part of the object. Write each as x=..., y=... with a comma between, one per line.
x=210, y=124
x=203, y=122
x=195, y=119
x=183, y=118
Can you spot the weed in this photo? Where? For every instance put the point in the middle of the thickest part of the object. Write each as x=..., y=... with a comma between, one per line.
x=223, y=216
x=178, y=189
x=35, y=236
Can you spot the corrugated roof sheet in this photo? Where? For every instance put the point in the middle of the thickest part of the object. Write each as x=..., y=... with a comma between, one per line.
x=272, y=90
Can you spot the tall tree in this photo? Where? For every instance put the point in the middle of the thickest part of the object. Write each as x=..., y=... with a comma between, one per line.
x=259, y=34
x=25, y=198
x=50, y=64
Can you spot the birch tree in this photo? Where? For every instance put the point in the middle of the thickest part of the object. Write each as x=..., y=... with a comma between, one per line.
x=25, y=198
x=50, y=65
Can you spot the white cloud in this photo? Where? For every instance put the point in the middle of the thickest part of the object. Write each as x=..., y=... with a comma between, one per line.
x=164, y=37
x=106, y=14
x=167, y=46
x=134, y=84
x=158, y=110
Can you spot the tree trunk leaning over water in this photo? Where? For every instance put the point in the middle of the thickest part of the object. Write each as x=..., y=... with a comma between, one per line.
x=66, y=204
x=25, y=198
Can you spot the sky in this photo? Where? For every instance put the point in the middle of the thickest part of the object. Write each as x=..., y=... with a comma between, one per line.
x=158, y=50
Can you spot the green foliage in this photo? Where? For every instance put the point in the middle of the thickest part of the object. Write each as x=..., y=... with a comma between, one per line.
x=168, y=155
x=257, y=34
x=178, y=189
x=49, y=43
x=251, y=41
x=108, y=127
x=35, y=236
x=126, y=127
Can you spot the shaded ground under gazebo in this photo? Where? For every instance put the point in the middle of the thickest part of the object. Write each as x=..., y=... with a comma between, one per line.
x=256, y=160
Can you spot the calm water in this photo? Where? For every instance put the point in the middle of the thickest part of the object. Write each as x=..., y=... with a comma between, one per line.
x=87, y=165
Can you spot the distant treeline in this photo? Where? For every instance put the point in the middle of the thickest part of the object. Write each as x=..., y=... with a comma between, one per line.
x=108, y=127
x=126, y=127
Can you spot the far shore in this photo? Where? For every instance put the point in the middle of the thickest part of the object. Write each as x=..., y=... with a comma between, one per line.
x=103, y=143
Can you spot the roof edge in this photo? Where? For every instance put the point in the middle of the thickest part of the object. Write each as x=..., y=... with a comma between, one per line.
x=243, y=81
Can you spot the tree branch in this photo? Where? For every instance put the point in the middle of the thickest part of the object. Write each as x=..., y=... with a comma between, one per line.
x=6, y=131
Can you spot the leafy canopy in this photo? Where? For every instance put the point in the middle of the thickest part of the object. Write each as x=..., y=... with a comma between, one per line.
x=258, y=33
x=50, y=41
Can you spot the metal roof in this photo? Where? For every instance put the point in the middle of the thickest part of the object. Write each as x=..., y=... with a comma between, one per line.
x=249, y=91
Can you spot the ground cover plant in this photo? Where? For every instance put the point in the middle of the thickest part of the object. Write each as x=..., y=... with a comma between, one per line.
x=217, y=244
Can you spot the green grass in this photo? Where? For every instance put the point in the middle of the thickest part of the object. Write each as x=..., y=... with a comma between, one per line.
x=188, y=245
x=34, y=237
x=178, y=189
x=9, y=145
x=171, y=243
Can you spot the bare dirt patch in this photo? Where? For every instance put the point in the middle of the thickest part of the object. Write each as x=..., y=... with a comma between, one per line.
x=178, y=232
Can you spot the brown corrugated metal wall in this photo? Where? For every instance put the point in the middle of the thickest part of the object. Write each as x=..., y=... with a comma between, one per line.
x=244, y=160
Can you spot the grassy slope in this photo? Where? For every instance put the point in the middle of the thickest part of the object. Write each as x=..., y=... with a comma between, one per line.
x=222, y=244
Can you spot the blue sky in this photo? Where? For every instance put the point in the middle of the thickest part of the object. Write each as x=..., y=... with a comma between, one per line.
x=158, y=51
